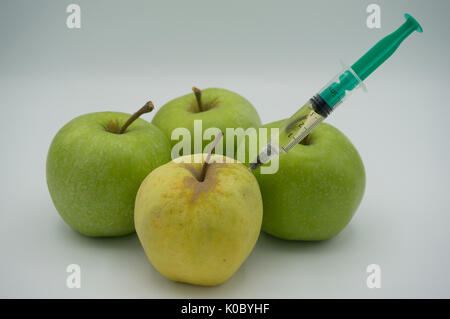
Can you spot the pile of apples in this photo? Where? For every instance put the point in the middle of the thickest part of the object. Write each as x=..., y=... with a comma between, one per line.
x=111, y=174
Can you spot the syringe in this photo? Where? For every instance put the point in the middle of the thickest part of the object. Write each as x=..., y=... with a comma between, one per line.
x=299, y=125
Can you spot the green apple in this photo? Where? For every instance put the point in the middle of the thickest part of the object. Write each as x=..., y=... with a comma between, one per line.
x=215, y=107
x=317, y=188
x=95, y=165
x=198, y=223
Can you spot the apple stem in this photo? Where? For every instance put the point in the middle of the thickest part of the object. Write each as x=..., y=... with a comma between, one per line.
x=208, y=157
x=148, y=107
x=198, y=96
x=305, y=140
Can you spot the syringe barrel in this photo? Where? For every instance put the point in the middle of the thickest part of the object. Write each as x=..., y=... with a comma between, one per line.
x=339, y=87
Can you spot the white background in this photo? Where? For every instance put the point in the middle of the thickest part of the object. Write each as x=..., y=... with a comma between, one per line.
x=276, y=55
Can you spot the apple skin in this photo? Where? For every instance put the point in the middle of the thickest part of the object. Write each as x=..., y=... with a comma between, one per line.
x=317, y=189
x=198, y=232
x=93, y=175
x=230, y=111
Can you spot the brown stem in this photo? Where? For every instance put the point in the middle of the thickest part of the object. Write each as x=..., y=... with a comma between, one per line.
x=198, y=96
x=148, y=107
x=208, y=157
x=305, y=140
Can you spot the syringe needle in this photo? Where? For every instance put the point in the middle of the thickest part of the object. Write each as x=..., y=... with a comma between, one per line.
x=254, y=166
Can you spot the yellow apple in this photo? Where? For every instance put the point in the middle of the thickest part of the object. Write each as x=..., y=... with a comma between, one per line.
x=198, y=223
